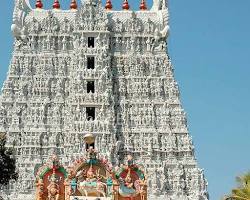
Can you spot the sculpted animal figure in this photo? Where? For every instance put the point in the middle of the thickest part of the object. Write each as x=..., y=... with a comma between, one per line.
x=22, y=8
x=159, y=5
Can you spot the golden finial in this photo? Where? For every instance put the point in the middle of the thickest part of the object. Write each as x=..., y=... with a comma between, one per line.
x=89, y=138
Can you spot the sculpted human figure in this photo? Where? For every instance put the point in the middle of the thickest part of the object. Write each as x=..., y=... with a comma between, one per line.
x=35, y=25
x=64, y=43
x=53, y=189
x=128, y=181
x=76, y=41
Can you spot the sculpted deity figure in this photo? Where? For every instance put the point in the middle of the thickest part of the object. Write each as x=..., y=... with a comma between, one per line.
x=148, y=42
x=53, y=189
x=128, y=181
x=40, y=185
x=91, y=176
x=119, y=25
x=92, y=182
x=132, y=43
x=76, y=41
x=64, y=43
x=35, y=25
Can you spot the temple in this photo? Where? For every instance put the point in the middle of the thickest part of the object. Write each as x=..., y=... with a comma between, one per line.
x=91, y=106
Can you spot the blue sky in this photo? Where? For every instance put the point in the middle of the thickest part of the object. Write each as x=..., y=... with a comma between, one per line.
x=210, y=50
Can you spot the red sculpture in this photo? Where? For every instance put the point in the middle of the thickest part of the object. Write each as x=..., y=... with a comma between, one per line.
x=73, y=4
x=56, y=4
x=108, y=5
x=125, y=5
x=39, y=4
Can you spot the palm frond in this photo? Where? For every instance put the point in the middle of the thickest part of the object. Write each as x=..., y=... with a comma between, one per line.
x=243, y=190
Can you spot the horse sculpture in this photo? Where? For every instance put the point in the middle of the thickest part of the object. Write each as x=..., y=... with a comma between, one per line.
x=99, y=190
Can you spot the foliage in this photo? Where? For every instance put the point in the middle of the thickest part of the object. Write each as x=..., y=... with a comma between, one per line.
x=243, y=190
x=7, y=162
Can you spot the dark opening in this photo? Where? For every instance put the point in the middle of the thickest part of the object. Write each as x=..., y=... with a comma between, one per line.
x=90, y=112
x=91, y=42
x=90, y=86
x=91, y=62
x=90, y=145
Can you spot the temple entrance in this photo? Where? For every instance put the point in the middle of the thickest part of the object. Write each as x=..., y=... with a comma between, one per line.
x=91, y=177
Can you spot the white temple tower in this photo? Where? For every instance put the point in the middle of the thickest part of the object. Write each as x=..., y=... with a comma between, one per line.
x=95, y=70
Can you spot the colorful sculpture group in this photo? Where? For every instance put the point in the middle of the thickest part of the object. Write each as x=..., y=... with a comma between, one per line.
x=90, y=178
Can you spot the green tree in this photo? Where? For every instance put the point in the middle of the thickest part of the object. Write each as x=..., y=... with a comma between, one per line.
x=242, y=192
x=7, y=162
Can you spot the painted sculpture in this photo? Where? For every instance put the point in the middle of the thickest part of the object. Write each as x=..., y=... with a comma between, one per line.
x=90, y=177
x=50, y=181
x=132, y=181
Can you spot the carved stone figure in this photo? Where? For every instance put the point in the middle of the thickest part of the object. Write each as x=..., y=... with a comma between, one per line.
x=159, y=5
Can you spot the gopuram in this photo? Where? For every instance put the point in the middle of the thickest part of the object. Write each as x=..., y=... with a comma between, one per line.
x=91, y=107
